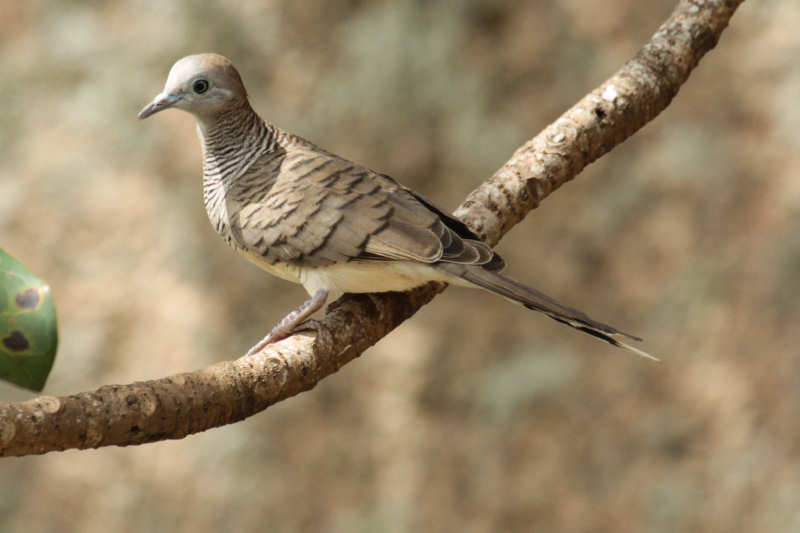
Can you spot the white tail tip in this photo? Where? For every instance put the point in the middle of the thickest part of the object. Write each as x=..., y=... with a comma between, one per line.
x=637, y=351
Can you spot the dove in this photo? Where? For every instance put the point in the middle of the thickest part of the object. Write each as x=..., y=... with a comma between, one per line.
x=332, y=225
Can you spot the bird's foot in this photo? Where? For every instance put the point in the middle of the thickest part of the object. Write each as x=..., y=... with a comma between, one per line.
x=297, y=320
x=308, y=325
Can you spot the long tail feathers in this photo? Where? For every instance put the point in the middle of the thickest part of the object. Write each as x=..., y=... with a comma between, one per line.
x=533, y=299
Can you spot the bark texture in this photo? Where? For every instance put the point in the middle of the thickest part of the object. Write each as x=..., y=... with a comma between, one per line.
x=176, y=406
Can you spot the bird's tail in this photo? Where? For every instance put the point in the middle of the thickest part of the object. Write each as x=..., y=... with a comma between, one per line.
x=532, y=299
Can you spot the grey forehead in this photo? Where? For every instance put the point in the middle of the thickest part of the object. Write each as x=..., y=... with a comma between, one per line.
x=185, y=70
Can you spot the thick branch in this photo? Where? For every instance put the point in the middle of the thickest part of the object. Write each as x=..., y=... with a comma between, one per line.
x=173, y=407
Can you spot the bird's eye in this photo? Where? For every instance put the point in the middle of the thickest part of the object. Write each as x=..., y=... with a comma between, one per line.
x=200, y=86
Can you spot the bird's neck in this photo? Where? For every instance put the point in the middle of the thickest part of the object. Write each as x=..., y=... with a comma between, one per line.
x=232, y=141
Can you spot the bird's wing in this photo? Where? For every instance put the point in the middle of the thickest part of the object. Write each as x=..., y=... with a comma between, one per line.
x=322, y=209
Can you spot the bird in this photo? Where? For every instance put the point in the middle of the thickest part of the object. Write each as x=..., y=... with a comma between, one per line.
x=334, y=226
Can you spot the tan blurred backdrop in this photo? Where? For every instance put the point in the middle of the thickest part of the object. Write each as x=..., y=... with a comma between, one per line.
x=475, y=415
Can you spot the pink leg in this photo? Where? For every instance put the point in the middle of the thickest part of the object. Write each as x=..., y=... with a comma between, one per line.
x=287, y=325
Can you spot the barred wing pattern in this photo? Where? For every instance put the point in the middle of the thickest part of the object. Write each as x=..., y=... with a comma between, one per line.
x=322, y=209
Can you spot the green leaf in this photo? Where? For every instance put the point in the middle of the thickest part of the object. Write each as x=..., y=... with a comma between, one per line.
x=28, y=328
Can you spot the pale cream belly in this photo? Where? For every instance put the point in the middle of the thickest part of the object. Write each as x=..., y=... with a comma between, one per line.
x=357, y=276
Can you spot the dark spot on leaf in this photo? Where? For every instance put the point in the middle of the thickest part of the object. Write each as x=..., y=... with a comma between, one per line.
x=601, y=114
x=28, y=299
x=16, y=341
x=134, y=429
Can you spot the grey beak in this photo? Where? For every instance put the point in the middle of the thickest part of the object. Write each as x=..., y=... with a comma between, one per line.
x=161, y=102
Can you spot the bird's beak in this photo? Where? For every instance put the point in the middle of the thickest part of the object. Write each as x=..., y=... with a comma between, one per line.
x=161, y=102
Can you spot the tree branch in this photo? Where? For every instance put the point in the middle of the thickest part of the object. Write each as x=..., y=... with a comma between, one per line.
x=175, y=406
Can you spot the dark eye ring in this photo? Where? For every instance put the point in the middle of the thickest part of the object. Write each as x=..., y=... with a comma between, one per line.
x=200, y=86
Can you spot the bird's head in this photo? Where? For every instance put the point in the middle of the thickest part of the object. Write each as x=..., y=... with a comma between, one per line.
x=202, y=85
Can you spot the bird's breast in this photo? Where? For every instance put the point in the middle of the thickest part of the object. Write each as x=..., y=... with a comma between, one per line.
x=219, y=212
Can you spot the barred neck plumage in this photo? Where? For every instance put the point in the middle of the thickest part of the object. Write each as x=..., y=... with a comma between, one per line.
x=232, y=141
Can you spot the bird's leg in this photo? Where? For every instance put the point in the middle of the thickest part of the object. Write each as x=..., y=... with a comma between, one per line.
x=289, y=323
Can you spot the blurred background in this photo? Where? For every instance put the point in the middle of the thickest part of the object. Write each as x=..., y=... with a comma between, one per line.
x=475, y=415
